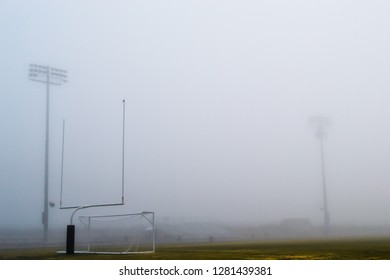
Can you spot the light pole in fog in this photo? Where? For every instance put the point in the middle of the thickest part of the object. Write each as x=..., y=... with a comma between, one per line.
x=48, y=76
x=321, y=123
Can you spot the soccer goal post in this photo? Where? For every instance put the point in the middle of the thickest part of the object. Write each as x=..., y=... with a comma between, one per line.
x=117, y=234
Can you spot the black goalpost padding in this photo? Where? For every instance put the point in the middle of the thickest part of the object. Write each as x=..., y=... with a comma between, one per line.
x=70, y=234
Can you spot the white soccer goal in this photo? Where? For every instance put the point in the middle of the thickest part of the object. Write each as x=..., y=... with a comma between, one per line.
x=117, y=234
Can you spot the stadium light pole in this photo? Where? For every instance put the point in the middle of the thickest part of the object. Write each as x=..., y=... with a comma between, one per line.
x=321, y=123
x=48, y=76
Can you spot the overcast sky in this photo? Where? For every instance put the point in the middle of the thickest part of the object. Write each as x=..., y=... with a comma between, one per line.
x=218, y=98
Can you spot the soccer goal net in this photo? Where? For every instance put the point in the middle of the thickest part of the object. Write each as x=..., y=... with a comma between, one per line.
x=116, y=234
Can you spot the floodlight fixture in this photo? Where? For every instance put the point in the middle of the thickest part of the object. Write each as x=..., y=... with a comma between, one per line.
x=320, y=123
x=48, y=75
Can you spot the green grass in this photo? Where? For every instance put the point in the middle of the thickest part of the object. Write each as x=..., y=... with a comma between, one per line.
x=325, y=249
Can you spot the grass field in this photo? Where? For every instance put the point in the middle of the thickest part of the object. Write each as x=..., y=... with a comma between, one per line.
x=324, y=249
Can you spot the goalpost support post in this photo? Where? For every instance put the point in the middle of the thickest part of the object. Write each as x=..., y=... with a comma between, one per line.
x=70, y=234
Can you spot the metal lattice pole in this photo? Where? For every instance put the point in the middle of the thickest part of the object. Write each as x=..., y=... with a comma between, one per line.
x=48, y=76
x=321, y=123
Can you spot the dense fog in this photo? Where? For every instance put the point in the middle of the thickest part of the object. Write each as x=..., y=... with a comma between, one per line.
x=218, y=94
